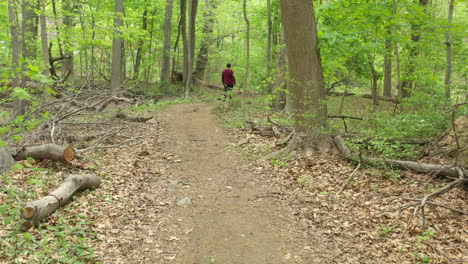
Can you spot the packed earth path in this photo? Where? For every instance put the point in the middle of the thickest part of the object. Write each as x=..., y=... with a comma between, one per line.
x=188, y=196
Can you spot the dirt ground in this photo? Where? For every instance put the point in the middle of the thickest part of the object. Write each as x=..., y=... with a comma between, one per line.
x=184, y=194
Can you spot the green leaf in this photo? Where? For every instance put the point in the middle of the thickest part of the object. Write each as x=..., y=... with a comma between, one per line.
x=28, y=236
x=22, y=94
x=17, y=166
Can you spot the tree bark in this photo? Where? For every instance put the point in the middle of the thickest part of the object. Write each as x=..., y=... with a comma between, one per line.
x=307, y=84
x=35, y=211
x=166, y=59
x=280, y=85
x=448, y=44
x=48, y=151
x=117, y=46
x=185, y=42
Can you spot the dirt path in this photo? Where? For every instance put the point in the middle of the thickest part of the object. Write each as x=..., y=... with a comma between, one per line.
x=227, y=220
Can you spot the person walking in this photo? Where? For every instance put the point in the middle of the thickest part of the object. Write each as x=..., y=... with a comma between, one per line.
x=228, y=80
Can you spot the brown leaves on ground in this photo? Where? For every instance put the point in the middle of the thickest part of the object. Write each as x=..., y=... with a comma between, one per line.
x=362, y=225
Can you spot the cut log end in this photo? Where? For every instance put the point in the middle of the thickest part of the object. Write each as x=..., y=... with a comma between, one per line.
x=28, y=212
x=69, y=154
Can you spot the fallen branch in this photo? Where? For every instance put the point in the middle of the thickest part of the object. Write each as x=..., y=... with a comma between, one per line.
x=349, y=178
x=436, y=169
x=48, y=151
x=35, y=211
x=133, y=119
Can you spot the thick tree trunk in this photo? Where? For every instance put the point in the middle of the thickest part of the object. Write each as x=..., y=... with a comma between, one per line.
x=307, y=84
x=6, y=160
x=35, y=211
x=166, y=59
x=117, y=46
x=136, y=68
x=448, y=44
x=203, y=53
x=48, y=151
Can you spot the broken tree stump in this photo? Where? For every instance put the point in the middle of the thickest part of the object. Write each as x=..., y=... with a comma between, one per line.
x=35, y=211
x=6, y=160
x=47, y=151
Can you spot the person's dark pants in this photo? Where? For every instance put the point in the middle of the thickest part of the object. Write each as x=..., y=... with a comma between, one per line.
x=228, y=87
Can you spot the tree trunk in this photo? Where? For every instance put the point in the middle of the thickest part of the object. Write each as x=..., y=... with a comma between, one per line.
x=185, y=43
x=280, y=85
x=203, y=53
x=269, y=39
x=117, y=46
x=448, y=43
x=44, y=39
x=374, y=84
x=35, y=211
x=136, y=68
x=6, y=160
x=46, y=152
x=247, y=49
x=166, y=59
x=15, y=42
x=191, y=46
x=408, y=84
x=29, y=44
x=68, y=22
x=387, y=91
x=307, y=84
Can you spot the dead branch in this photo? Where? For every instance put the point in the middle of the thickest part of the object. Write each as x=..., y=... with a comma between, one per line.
x=349, y=178
x=133, y=119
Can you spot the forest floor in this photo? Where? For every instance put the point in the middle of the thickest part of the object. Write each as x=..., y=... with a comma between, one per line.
x=186, y=190
x=187, y=194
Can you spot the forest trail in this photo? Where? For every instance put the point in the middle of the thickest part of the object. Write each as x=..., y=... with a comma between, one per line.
x=228, y=222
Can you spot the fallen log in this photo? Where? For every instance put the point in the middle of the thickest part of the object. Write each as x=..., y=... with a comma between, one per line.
x=403, y=140
x=35, y=211
x=340, y=94
x=209, y=85
x=436, y=169
x=48, y=151
x=382, y=98
x=6, y=160
x=133, y=119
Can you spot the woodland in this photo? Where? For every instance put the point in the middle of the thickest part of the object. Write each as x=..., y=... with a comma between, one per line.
x=349, y=116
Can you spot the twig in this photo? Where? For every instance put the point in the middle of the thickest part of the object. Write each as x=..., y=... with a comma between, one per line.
x=440, y=205
x=349, y=178
x=108, y=146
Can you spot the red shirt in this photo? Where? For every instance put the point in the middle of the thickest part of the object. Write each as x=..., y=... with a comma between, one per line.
x=227, y=77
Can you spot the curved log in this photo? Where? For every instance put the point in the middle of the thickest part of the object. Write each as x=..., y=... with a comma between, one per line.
x=35, y=211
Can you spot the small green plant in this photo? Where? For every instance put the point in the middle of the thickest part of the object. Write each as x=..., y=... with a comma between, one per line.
x=305, y=180
x=278, y=162
x=386, y=230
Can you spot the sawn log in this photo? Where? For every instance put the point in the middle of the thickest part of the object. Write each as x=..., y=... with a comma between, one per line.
x=48, y=151
x=35, y=211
